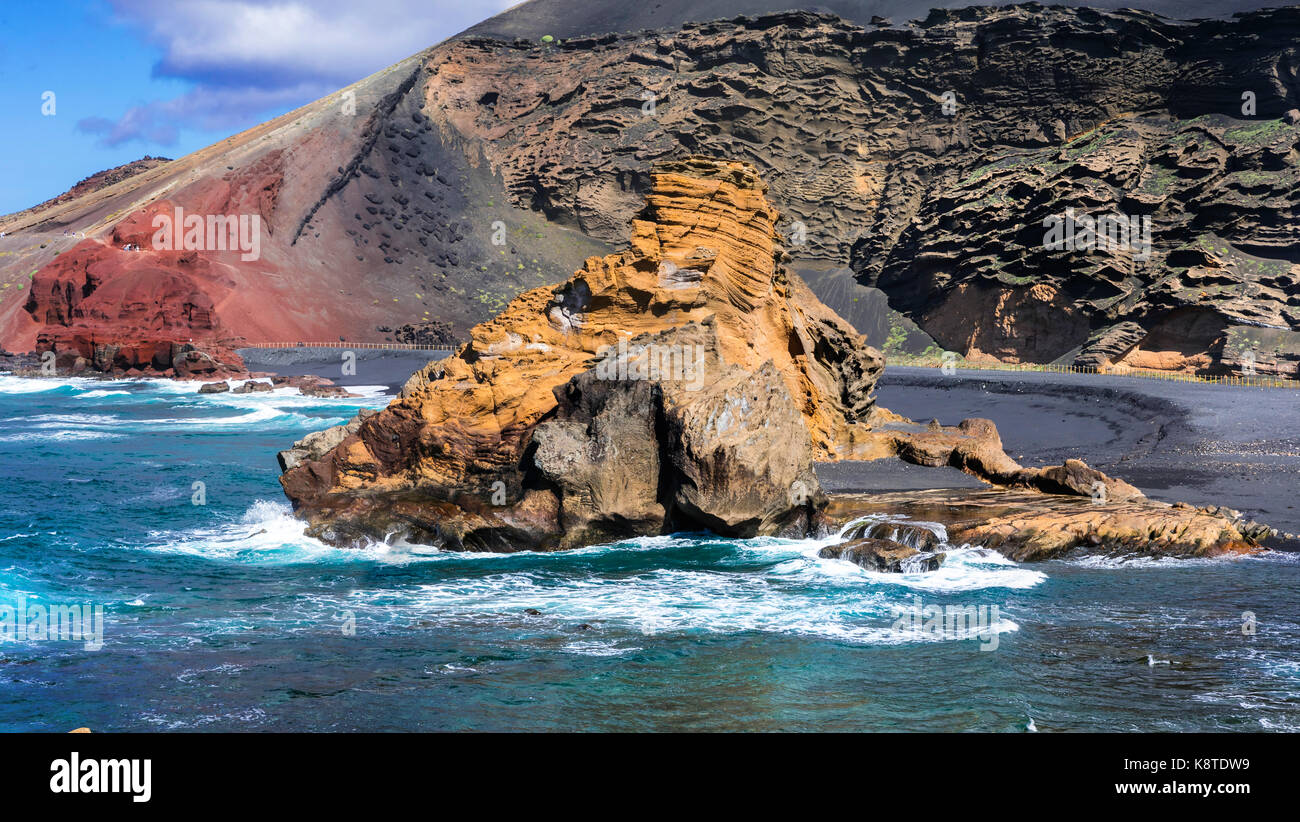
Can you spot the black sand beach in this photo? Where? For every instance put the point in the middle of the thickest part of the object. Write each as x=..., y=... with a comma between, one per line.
x=374, y=366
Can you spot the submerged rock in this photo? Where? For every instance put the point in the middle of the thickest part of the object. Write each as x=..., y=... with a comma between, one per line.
x=331, y=391
x=1028, y=526
x=914, y=536
x=884, y=555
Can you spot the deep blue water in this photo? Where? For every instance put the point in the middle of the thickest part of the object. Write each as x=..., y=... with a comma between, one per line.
x=222, y=616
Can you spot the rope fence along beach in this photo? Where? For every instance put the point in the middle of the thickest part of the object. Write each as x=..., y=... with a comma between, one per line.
x=352, y=345
x=1243, y=380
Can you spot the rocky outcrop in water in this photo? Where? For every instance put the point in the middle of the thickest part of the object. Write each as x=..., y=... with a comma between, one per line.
x=884, y=555
x=725, y=450
x=688, y=382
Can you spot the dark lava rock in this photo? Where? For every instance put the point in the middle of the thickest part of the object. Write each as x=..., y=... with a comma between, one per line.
x=1110, y=344
x=884, y=555
x=914, y=536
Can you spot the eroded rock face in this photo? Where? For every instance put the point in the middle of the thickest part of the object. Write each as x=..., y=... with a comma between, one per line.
x=318, y=443
x=123, y=305
x=687, y=382
x=725, y=450
x=1110, y=345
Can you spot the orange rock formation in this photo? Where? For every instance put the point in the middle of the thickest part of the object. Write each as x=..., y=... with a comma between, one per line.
x=705, y=248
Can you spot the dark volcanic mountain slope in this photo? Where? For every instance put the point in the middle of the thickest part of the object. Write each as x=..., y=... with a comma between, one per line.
x=431, y=193
x=1053, y=109
x=577, y=18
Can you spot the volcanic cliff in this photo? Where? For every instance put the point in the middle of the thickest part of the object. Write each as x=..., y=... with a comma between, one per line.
x=924, y=161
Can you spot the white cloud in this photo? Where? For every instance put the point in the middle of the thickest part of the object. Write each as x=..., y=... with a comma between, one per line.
x=248, y=57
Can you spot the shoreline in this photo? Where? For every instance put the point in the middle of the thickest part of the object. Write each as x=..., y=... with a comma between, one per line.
x=373, y=366
x=321, y=361
x=263, y=599
x=388, y=367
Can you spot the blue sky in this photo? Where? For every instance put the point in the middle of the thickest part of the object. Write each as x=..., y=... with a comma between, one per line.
x=167, y=77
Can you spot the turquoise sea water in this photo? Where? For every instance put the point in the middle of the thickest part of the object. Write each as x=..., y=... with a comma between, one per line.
x=222, y=616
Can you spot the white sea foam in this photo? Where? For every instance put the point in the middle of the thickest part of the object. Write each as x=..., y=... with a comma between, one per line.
x=61, y=420
x=937, y=528
x=255, y=416
x=36, y=385
x=163, y=385
x=1129, y=562
x=95, y=395
x=267, y=533
x=251, y=716
x=372, y=395
x=965, y=568
x=761, y=585
x=662, y=601
x=251, y=411
x=60, y=436
x=598, y=649
x=282, y=405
